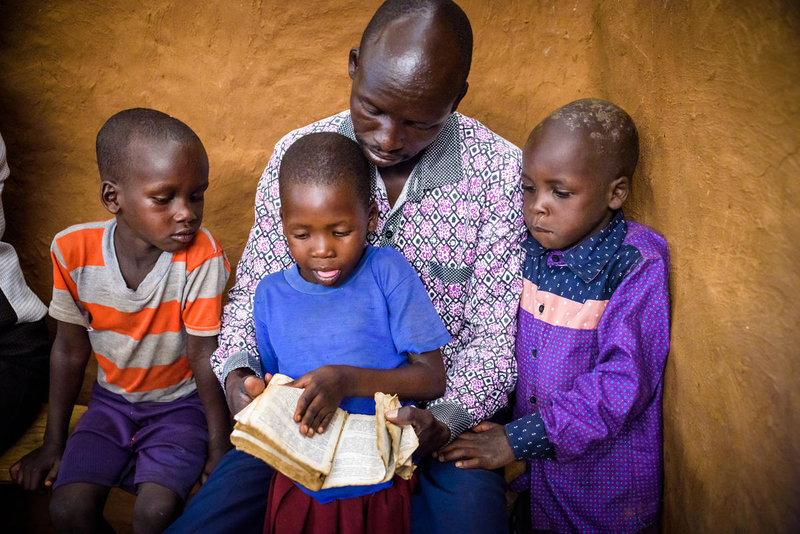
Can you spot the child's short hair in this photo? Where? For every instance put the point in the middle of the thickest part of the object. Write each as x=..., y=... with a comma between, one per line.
x=611, y=130
x=114, y=138
x=330, y=159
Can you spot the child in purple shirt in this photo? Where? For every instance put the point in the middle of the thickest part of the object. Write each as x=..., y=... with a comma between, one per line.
x=592, y=340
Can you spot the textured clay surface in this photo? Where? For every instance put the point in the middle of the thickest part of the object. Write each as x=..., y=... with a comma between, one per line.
x=714, y=88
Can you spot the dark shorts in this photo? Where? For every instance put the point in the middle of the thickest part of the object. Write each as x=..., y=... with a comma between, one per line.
x=118, y=443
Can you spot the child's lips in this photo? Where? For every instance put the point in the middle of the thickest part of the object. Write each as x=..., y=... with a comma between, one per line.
x=183, y=237
x=327, y=275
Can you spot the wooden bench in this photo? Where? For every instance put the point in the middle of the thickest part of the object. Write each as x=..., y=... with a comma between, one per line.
x=32, y=439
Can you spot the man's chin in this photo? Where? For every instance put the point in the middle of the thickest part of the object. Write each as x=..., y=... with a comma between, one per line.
x=382, y=160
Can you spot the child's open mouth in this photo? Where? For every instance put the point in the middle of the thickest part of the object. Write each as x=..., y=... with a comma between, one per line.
x=327, y=275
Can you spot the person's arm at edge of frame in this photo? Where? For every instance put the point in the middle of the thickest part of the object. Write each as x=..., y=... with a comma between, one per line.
x=199, y=350
x=446, y=418
x=68, y=357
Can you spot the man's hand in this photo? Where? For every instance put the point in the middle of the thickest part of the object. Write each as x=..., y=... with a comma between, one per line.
x=431, y=432
x=241, y=387
x=324, y=389
x=485, y=447
x=40, y=465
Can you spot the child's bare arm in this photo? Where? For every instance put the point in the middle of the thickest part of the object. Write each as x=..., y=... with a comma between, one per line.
x=199, y=352
x=484, y=447
x=422, y=379
x=68, y=358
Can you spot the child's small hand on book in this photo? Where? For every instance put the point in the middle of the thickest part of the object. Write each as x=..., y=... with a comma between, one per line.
x=324, y=389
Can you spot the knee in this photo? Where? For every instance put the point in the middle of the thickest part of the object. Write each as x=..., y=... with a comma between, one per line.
x=70, y=513
x=155, y=515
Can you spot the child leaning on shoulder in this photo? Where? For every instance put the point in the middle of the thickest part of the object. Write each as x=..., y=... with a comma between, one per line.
x=346, y=321
x=592, y=338
x=143, y=292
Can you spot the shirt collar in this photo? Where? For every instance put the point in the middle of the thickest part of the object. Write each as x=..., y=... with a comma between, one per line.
x=590, y=256
x=439, y=165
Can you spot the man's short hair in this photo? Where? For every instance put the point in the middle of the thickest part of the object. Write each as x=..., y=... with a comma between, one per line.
x=328, y=159
x=446, y=11
x=117, y=134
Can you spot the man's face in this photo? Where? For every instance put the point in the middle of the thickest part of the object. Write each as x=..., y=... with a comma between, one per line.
x=400, y=101
x=160, y=204
x=564, y=199
x=326, y=229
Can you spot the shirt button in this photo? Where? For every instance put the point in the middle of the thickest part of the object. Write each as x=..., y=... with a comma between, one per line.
x=533, y=353
x=388, y=234
x=556, y=259
x=533, y=399
x=541, y=308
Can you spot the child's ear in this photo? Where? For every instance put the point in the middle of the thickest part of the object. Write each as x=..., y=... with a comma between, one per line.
x=109, y=196
x=619, y=192
x=373, y=217
x=352, y=63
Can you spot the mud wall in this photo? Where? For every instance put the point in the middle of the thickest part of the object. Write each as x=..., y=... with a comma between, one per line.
x=715, y=90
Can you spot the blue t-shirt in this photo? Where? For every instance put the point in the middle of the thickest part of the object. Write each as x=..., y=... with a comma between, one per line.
x=373, y=320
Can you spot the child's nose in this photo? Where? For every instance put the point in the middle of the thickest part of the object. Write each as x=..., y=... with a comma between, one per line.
x=321, y=248
x=186, y=211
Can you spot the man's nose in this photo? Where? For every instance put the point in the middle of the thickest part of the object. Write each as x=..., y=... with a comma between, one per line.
x=390, y=136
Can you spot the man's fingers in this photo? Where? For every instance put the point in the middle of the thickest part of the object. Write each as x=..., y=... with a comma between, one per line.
x=253, y=386
x=404, y=416
x=472, y=463
x=483, y=427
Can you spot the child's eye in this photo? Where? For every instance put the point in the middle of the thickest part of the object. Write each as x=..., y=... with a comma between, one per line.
x=561, y=194
x=300, y=236
x=528, y=188
x=341, y=234
x=161, y=200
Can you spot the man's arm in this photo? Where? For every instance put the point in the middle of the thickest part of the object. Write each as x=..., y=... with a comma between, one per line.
x=68, y=357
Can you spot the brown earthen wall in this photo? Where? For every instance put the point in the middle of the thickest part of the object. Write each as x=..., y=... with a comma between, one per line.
x=713, y=86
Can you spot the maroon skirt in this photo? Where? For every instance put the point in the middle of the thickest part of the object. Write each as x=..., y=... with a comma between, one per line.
x=291, y=511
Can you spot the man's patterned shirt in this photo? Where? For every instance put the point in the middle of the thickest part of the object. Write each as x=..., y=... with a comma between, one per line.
x=458, y=222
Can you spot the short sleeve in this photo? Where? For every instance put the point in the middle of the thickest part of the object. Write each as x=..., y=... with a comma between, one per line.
x=207, y=273
x=415, y=325
x=266, y=352
x=64, y=305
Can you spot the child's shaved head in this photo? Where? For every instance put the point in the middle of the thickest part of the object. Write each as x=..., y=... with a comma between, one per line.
x=114, y=156
x=451, y=17
x=606, y=129
x=328, y=159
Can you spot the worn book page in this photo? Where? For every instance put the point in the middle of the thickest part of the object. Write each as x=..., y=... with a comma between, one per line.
x=403, y=450
x=270, y=420
x=250, y=444
x=358, y=461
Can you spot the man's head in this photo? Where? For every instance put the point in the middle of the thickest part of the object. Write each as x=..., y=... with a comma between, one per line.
x=409, y=74
x=154, y=173
x=576, y=171
x=326, y=206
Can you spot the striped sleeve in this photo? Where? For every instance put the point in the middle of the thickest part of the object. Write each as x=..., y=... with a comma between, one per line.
x=207, y=271
x=64, y=305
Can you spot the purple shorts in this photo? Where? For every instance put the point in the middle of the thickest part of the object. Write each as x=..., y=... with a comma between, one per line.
x=118, y=443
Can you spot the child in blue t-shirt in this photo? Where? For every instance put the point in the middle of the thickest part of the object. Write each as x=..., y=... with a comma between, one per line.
x=346, y=321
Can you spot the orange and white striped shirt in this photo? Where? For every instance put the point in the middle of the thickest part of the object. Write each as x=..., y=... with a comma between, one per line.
x=138, y=336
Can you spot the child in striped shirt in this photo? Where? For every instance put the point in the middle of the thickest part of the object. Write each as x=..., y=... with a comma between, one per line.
x=143, y=292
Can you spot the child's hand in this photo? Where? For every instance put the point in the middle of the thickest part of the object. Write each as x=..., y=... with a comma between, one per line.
x=324, y=389
x=486, y=447
x=215, y=454
x=40, y=465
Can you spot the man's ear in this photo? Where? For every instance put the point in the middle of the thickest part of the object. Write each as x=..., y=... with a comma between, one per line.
x=373, y=217
x=352, y=63
x=109, y=196
x=619, y=189
x=460, y=97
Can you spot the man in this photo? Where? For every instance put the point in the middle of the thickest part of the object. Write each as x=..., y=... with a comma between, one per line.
x=449, y=199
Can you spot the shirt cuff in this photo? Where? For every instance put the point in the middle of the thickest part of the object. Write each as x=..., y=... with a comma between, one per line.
x=237, y=360
x=453, y=415
x=528, y=438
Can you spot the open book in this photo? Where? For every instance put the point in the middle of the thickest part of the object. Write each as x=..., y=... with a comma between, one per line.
x=354, y=450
